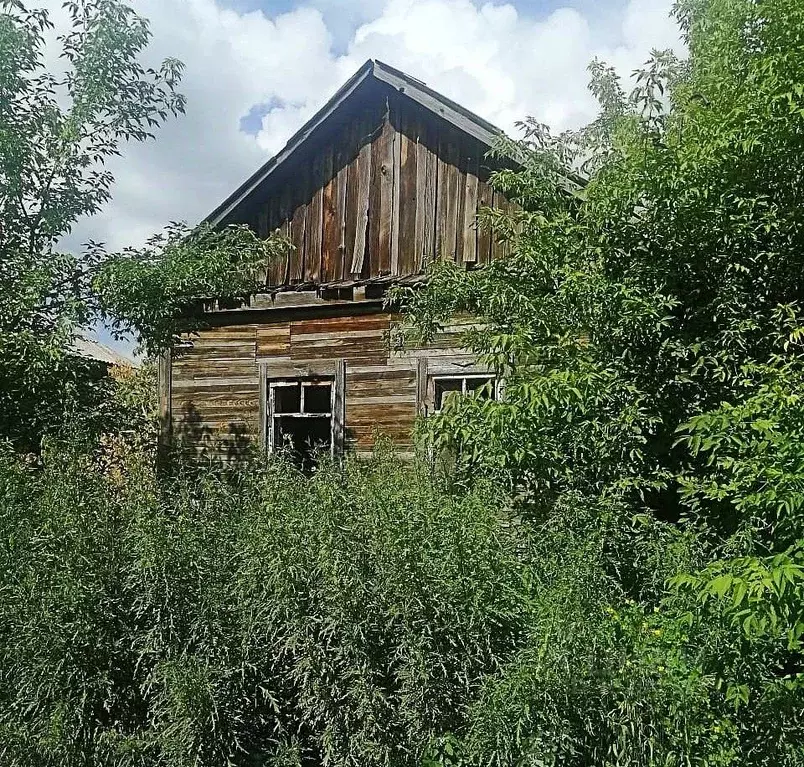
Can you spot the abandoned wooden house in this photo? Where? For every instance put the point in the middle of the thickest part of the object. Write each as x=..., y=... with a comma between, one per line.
x=387, y=176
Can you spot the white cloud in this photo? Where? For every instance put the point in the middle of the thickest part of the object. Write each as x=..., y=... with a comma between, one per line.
x=492, y=58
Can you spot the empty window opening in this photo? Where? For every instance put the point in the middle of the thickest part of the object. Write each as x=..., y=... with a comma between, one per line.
x=300, y=419
x=444, y=387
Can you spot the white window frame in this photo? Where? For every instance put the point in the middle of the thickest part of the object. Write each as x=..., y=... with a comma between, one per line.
x=304, y=384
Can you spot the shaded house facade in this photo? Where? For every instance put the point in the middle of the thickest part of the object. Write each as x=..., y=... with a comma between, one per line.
x=386, y=177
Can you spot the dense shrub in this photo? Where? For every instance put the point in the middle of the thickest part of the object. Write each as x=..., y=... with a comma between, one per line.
x=365, y=615
x=208, y=618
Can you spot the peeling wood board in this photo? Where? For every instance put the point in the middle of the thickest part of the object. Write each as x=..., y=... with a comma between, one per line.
x=382, y=214
x=395, y=196
x=408, y=260
x=363, y=172
x=470, y=212
x=331, y=225
x=429, y=199
x=312, y=256
x=339, y=270
x=299, y=234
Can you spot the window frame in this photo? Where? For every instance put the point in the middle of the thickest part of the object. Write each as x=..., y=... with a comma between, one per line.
x=450, y=368
x=272, y=375
x=463, y=378
x=303, y=383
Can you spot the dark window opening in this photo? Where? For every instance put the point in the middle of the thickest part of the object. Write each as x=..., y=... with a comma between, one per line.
x=300, y=420
x=444, y=387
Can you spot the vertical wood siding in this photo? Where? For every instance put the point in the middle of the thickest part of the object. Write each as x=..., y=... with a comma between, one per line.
x=391, y=191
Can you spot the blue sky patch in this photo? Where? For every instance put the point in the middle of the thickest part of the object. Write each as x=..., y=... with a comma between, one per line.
x=251, y=123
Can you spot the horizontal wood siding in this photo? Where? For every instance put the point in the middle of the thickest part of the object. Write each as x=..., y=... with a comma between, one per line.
x=215, y=398
x=215, y=391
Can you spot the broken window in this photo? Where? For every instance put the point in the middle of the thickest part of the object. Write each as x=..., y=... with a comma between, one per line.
x=483, y=385
x=300, y=419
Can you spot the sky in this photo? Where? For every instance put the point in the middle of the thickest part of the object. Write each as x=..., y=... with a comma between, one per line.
x=256, y=70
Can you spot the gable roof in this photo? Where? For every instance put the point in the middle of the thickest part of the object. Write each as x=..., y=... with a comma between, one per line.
x=90, y=349
x=376, y=72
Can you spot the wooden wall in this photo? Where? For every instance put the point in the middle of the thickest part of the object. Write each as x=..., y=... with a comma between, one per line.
x=215, y=390
x=390, y=190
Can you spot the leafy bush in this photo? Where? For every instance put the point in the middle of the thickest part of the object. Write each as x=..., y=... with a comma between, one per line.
x=205, y=618
x=365, y=615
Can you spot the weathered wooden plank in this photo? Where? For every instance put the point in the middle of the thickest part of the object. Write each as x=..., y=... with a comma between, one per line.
x=298, y=228
x=340, y=269
x=214, y=384
x=273, y=340
x=460, y=193
x=315, y=211
x=351, y=205
x=422, y=154
x=408, y=261
x=485, y=199
x=470, y=212
x=422, y=381
x=362, y=377
x=450, y=220
x=341, y=347
x=381, y=397
x=330, y=237
x=231, y=399
x=216, y=427
x=220, y=331
x=337, y=324
x=442, y=193
x=226, y=371
x=262, y=229
x=217, y=353
x=165, y=389
x=286, y=228
x=272, y=268
x=379, y=388
x=398, y=423
x=498, y=247
x=371, y=263
x=363, y=172
x=204, y=342
x=429, y=251
x=262, y=405
x=381, y=208
x=339, y=407
x=397, y=418
x=395, y=196
x=333, y=335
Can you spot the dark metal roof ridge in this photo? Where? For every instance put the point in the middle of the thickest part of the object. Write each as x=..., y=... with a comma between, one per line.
x=415, y=89
x=450, y=110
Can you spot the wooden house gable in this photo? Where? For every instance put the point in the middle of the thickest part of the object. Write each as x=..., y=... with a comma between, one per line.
x=387, y=177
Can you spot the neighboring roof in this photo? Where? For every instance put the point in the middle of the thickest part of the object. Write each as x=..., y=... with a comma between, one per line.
x=94, y=350
x=454, y=113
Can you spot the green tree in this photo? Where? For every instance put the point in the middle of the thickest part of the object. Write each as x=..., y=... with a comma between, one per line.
x=57, y=129
x=648, y=330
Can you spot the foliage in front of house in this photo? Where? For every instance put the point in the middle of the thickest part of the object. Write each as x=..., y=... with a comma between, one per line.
x=610, y=573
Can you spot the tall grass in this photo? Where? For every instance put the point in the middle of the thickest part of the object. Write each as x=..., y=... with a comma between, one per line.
x=212, y=618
